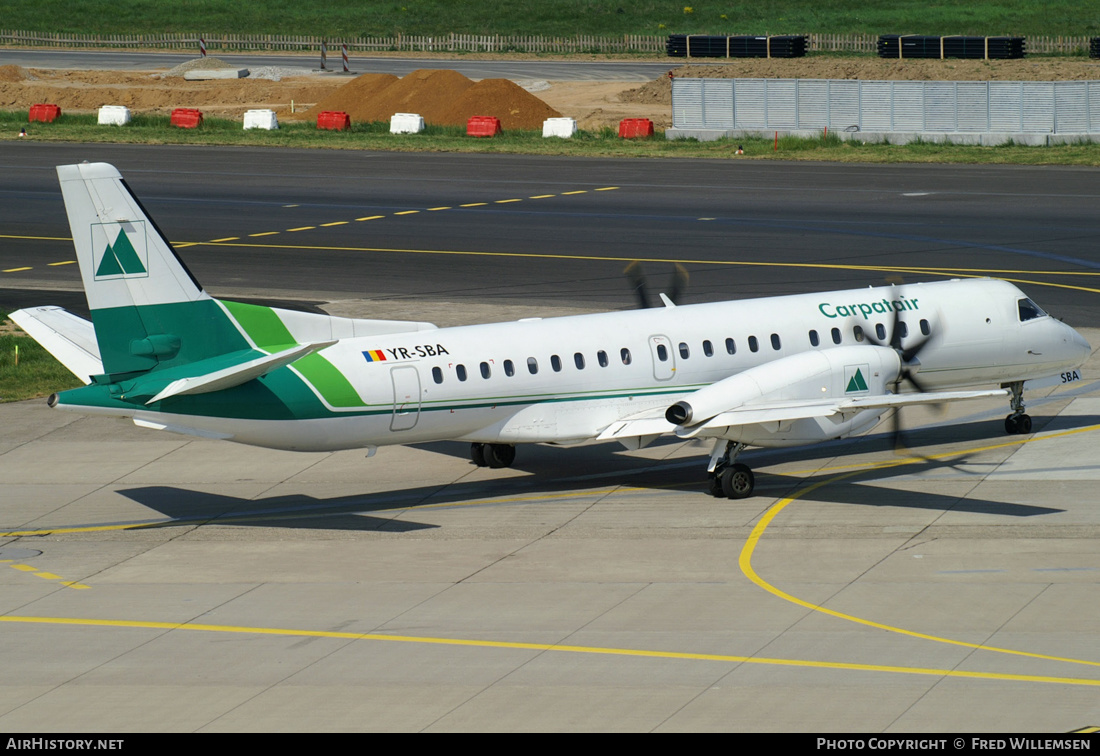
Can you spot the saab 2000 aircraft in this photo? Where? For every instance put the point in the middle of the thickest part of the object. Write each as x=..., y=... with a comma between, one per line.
x=772, y=372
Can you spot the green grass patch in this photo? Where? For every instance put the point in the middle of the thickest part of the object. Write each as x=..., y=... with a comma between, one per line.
x=354, y=18
x=27, y=370
x=152, y=129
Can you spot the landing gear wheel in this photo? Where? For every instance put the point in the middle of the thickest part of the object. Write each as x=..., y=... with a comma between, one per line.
x=500, y=455
x=714, y=486
x=737, y=481
x=1018, y=424
x=477, y=455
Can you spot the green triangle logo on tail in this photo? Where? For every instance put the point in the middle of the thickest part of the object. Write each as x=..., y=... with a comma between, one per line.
x=120, y=259
x=856, y=383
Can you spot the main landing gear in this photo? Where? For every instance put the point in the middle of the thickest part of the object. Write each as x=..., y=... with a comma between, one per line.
x=493, y=455
x=1019, y=422
x=726, y=478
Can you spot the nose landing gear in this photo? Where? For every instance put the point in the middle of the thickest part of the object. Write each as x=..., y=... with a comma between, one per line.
x=1019, y=422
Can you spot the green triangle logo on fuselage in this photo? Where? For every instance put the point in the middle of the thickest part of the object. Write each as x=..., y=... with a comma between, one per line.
x=120, y=258
x=856, y=383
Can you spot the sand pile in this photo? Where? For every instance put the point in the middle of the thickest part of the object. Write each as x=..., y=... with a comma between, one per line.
x=10, y=73
x=512, y=104
x=441, y=96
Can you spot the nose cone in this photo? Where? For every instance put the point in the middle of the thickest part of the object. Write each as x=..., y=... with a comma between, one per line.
x=1084, y=350
x=1076, y=349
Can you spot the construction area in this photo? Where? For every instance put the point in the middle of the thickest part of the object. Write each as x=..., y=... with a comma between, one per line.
x=444, y=96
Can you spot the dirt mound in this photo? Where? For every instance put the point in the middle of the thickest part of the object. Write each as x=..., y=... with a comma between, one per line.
x=376, y=97
x=356, y=98
x=441, y=96
x=197, y=64
x=514, y=106
x=427, y=92
x=658, y=91
x=10, y=74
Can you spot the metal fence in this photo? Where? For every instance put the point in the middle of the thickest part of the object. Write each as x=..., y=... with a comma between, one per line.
x=1071, y=107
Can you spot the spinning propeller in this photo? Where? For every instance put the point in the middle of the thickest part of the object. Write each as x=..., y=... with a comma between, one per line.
x=910, y=365
x=636, y=275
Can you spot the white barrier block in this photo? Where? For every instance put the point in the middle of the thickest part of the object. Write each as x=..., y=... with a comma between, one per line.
x=114, y=115
x=406, y=123
x=208, y=74
x=260, y=119
x=559, y=127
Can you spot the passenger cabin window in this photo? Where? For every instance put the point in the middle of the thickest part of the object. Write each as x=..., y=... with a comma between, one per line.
x=578, y=360
x=924, y=327
x=684, y=352
x=460, y=371
x=904, y=328
x=1029, y=310
x=731, y=347
x=624, y=353
x=708, y=349
x=814, y=340
x=555, y=363
x=509, y=368
x=776, y=344
x=532, y=365
x=437, y=375
x=754, y=345
x=601, y=357
x=485, y=371
x=858, y=333
x=837, y=337
x=880, y=331
x=662, y=353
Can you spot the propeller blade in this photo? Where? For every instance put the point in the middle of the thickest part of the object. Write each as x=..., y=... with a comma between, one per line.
x=678, y=284
x=636, y=275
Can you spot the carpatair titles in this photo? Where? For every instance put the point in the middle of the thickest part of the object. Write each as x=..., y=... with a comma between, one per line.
x=866, y=309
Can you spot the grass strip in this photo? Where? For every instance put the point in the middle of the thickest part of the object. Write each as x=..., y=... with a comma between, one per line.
x=26, y=369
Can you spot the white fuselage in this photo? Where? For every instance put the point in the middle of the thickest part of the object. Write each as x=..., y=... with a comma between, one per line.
x=564, y=380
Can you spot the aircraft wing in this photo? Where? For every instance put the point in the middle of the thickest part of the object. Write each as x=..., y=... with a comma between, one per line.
x=775, y=412
x=653, y=422
x=650, y=423
x=69, y=338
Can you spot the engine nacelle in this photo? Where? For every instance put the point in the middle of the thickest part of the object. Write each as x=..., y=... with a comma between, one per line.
x=840, y=372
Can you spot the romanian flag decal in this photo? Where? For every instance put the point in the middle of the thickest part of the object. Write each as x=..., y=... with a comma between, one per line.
x=375, y=355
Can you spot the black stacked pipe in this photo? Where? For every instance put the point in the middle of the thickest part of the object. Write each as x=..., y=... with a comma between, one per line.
x=918, y=46
x=705, y=46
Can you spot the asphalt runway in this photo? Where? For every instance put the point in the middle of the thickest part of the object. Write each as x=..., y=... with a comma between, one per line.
x=159, y=583
x=493, y=229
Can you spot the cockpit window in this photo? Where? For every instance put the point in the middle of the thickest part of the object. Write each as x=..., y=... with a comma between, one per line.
x=1029, y=310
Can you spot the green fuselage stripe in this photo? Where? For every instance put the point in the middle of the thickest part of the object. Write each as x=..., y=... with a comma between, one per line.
x=262, y=325
x=267, y=331
x=329, y=381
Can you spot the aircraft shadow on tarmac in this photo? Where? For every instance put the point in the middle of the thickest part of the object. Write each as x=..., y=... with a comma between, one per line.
x=599, y=467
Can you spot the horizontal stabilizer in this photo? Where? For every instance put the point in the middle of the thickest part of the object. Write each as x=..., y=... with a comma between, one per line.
x=236, y=374
x=68, y=338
